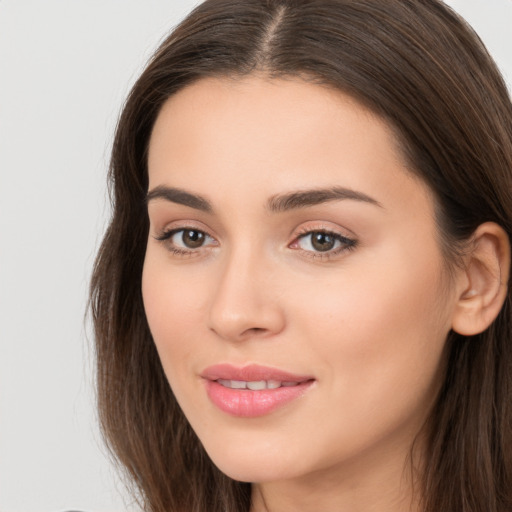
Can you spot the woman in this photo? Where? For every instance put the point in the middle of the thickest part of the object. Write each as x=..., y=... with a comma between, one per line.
x=302, y=300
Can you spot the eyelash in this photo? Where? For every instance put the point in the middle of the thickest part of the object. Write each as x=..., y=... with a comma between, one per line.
x=166, y=237
x=346, y=244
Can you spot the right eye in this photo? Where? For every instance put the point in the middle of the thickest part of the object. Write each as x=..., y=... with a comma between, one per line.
x=186, y=240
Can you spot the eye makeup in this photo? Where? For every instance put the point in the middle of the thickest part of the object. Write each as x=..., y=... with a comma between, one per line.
x=316, y=243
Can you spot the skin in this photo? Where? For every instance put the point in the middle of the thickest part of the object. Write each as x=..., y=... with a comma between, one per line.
x=368, y=321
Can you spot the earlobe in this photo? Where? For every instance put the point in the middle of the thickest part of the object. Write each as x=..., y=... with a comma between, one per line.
x=485, y=280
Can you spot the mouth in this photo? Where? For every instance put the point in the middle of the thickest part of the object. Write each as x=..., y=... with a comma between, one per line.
x=252, y=390
x=255, y=385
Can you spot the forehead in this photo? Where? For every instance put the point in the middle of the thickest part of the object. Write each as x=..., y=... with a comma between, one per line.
x=255, y=102
x=267, y=134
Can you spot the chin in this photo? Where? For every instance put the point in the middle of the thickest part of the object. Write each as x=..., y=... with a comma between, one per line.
x=253, y=462
x=251, y=471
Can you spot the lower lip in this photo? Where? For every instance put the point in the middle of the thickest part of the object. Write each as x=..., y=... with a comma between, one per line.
x=246, y=403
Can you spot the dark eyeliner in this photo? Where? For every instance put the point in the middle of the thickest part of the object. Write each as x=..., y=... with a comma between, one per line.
x=347, y=244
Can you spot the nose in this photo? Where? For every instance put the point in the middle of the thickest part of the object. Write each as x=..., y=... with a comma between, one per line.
x=246, y=303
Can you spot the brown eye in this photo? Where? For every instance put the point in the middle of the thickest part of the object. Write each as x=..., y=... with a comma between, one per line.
x=186, y=239
x=192, y=238
x=322, y=241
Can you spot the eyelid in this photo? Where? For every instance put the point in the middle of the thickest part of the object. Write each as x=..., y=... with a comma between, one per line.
x=348, y=240
x=169, y=233
x=178, y=225
x=165, y=235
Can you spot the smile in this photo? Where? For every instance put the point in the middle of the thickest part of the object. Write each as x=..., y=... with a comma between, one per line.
x=255, y=385
x=253, y=390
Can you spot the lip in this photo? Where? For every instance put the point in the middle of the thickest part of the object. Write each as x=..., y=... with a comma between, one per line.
x=246, y=403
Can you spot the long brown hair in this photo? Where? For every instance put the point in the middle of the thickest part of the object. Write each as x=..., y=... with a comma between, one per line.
x=420, y=67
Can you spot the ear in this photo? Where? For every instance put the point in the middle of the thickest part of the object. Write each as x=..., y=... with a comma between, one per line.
x=483, y=281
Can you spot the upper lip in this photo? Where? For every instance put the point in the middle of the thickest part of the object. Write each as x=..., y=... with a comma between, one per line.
x=251, y=373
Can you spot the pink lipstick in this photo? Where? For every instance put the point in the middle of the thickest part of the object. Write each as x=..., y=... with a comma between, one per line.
x=252, y=390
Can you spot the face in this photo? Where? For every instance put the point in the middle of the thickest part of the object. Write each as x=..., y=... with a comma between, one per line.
x=293, y=281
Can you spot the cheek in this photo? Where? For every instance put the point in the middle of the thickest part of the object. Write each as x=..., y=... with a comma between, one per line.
x=172, y=310
x=173, y=313
x=380, y=331
x=376, y=339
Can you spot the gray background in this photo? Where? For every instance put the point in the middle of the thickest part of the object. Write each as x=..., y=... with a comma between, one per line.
x=65, y=68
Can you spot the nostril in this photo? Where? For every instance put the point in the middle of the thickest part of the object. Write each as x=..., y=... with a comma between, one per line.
x=258, y=330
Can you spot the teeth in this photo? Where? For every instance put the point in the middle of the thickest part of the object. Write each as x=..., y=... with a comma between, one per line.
x=255, y=385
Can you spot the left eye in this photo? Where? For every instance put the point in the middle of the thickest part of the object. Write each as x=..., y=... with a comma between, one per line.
x=321, y=241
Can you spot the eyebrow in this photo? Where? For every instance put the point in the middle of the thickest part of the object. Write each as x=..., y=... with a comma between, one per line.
x=276, y=204
x=305, y=198
x=179, y=196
